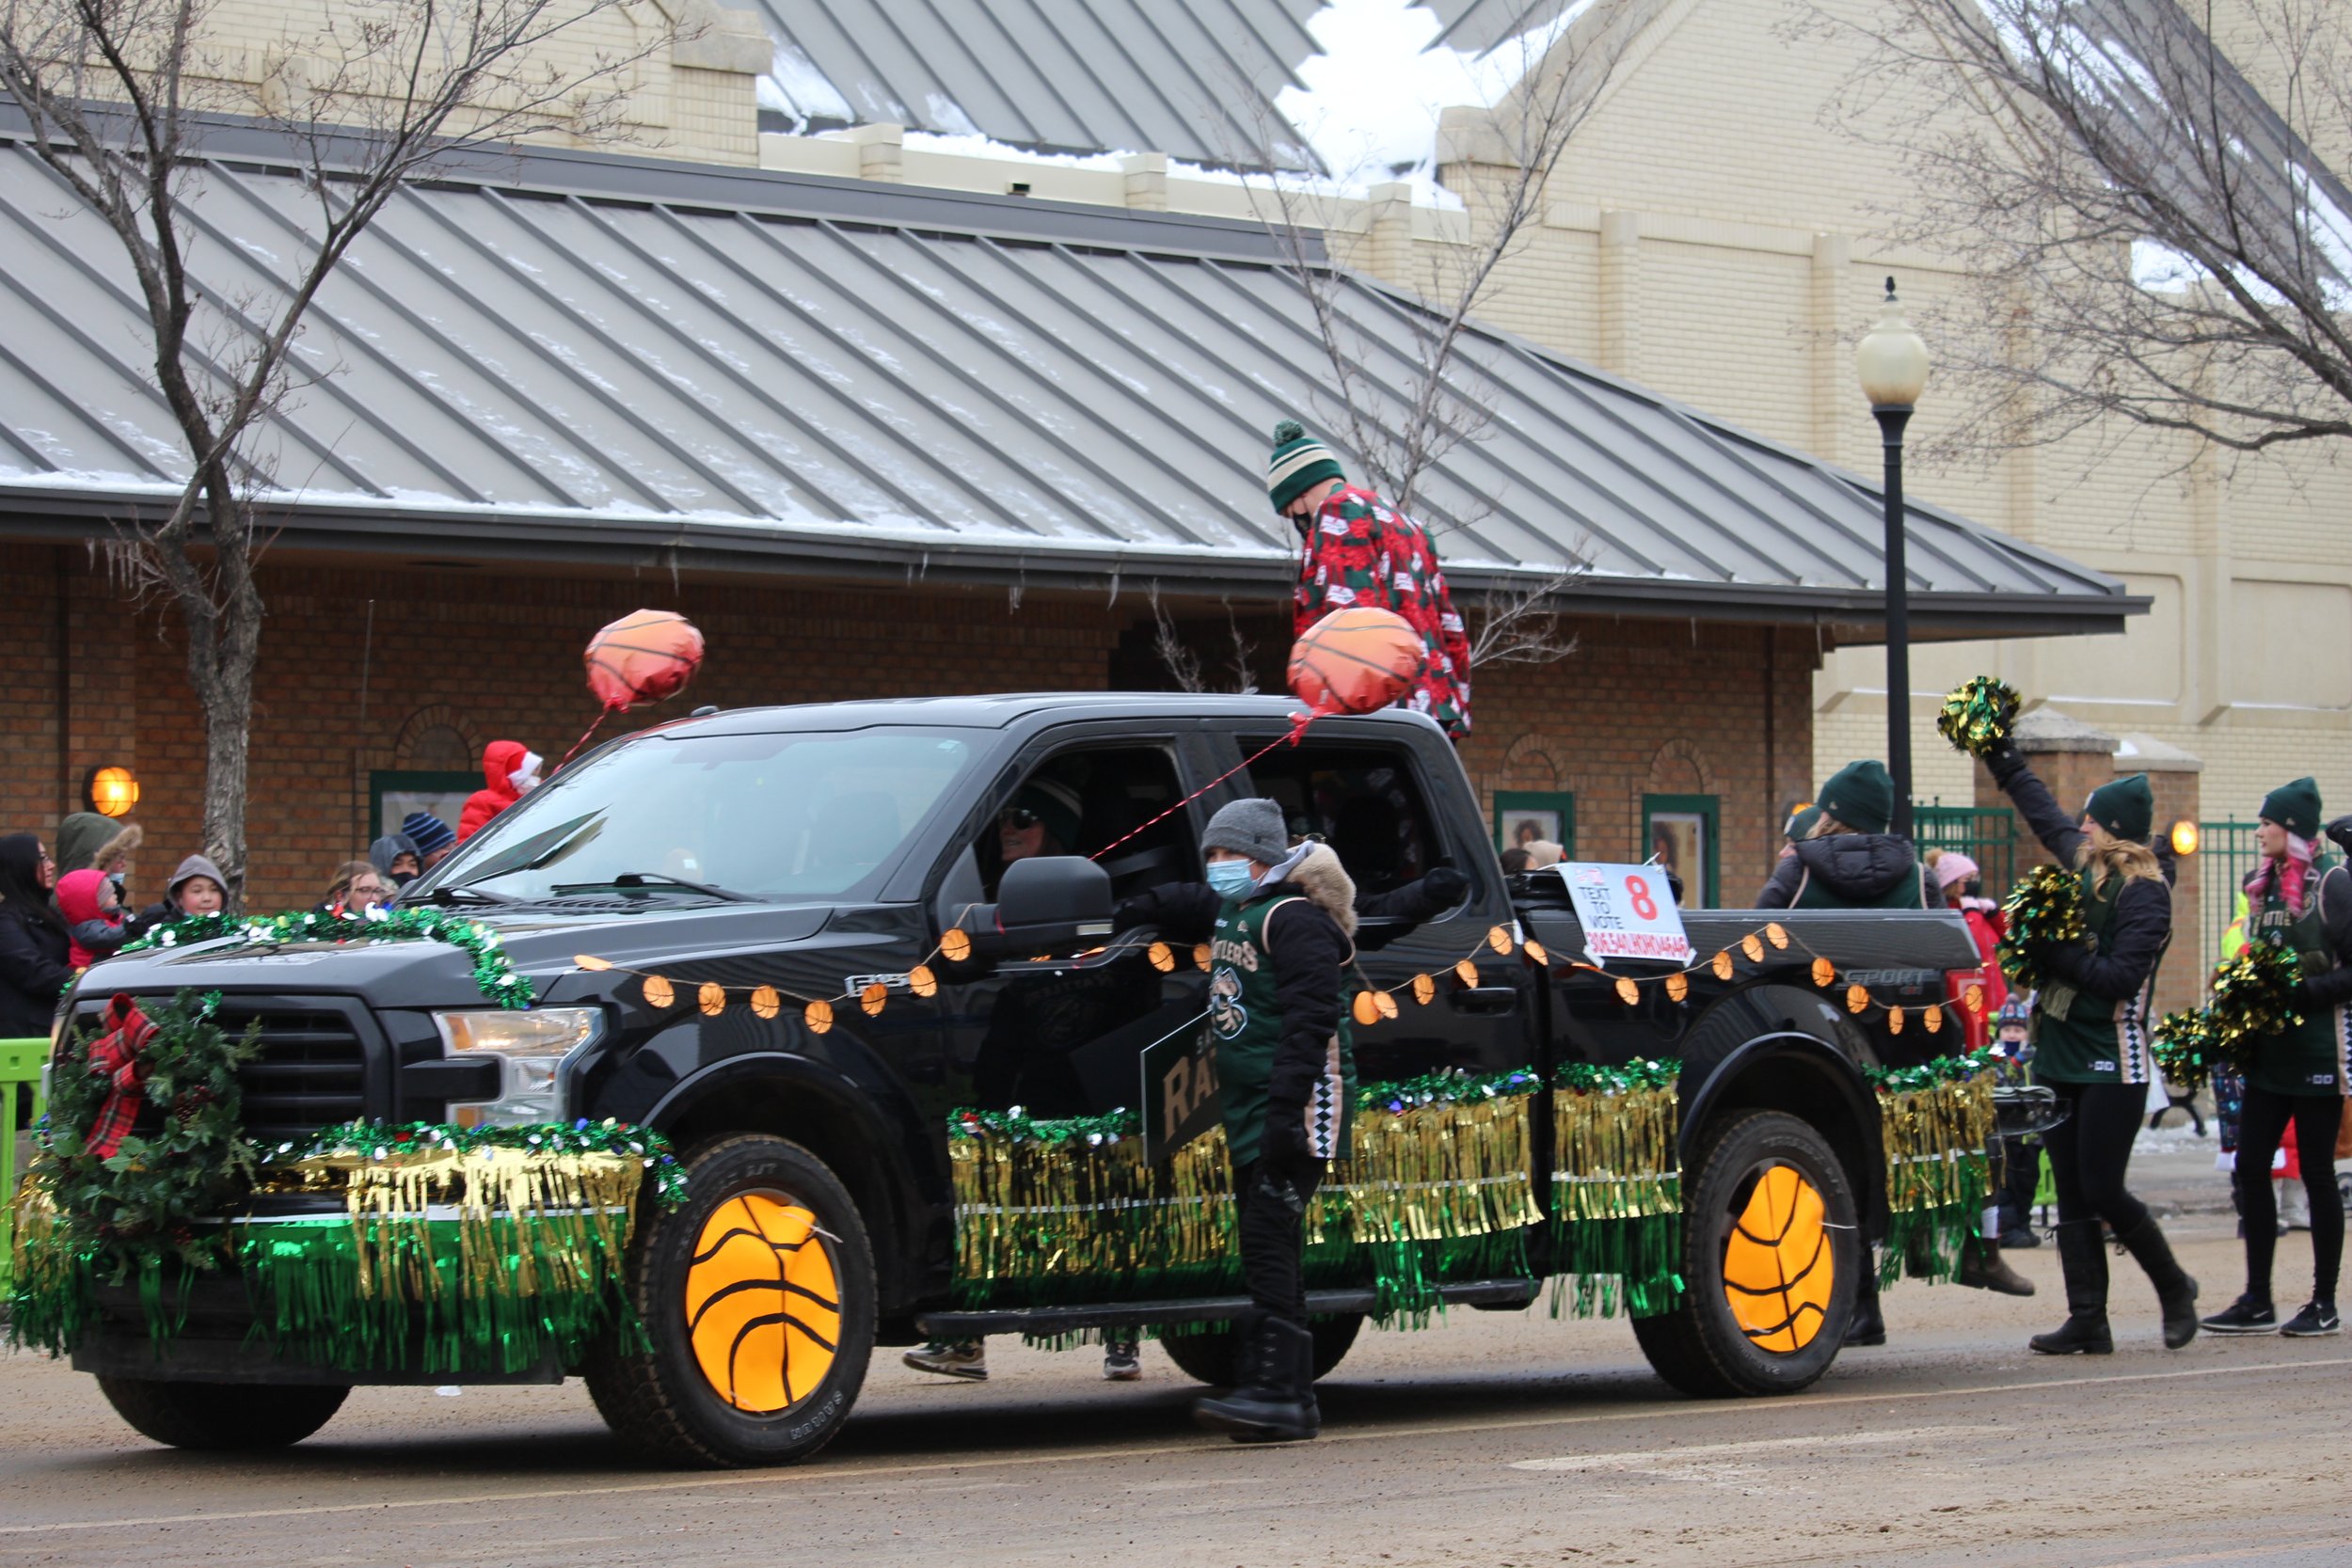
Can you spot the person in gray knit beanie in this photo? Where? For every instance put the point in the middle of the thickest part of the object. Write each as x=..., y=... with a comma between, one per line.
x=1254, y=828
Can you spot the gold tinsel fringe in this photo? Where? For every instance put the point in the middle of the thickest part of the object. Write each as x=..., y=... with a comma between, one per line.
x=1614, y=1156
x=1935, y=1143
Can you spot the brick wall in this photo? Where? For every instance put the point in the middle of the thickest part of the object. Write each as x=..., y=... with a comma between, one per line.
x=459, y=658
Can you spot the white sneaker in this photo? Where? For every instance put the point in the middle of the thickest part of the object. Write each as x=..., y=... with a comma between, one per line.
x=966, y=1359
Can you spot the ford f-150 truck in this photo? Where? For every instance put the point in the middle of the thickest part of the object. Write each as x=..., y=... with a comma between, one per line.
x=837, y=850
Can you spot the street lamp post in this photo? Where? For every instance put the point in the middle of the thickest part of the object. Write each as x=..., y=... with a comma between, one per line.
x=1891, y=366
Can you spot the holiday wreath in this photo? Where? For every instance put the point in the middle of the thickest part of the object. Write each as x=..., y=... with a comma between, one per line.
x=486, y=1249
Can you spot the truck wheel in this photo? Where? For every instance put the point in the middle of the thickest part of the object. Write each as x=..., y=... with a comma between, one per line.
x=1770, y=1255
x=1209, y=1357
x=224, y=1417
x=758, y=1295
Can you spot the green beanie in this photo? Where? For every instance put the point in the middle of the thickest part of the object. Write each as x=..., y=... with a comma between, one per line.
x=1861, y=796
x=2295, y=807
x=1300, y=463
x=2127, y=807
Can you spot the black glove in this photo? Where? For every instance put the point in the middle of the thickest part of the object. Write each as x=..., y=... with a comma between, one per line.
x=2341, y=832
x=1445, y=886
x=1285, y=1136
x=2003, y=759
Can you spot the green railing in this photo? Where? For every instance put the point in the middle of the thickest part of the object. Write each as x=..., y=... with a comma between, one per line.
x=21, y=1105
x=1984, y=834
x=2226, y=852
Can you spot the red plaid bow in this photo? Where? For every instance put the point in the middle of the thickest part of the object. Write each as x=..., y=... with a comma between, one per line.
x=115, y=1055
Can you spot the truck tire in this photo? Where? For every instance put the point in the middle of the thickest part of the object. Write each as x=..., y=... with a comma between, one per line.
x=1208, y=1357
x=223, y=1417
x=1770, y=1259
x=757, y=1297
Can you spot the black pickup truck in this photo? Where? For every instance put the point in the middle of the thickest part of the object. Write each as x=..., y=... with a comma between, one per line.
x=828, y=850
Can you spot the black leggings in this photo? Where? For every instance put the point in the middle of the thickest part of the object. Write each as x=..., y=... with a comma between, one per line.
x=2091, y=1149
x=2261, y=1127
x=1272, y=1196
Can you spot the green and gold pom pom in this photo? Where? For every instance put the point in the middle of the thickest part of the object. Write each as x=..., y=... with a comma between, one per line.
x=2187, y=1050
x=1978, y=715
x=2046, y=907
x=2254, y=995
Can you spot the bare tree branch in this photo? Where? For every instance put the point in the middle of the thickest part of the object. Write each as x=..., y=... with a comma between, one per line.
x=380, y=94
x=2151, y=237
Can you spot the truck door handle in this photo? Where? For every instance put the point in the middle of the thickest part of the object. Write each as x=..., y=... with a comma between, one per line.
x=1486, y=999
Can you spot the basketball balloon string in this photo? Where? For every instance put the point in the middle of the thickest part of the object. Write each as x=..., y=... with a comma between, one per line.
x=643, y=656
x=1350, y=661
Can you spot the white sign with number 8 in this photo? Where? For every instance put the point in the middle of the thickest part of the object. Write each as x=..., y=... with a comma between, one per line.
x=1628, y=911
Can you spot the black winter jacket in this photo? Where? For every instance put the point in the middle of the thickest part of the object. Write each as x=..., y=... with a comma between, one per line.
x=1312, y=952
x=1860, y=866
x=33, y=974
x=2143, y=909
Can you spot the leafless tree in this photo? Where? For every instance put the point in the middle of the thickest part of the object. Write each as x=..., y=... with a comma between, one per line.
x=2138, y=193
x=121, y=95
x=1408, y=387
x=1186, y=666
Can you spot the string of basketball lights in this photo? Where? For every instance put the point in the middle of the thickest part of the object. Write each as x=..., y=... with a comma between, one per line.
x=1372, y=1007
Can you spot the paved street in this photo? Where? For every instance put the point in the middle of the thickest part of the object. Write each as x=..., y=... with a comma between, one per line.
x=1506, y=1439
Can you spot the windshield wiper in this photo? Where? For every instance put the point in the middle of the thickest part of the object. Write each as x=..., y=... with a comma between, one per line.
x=655, y=879
x=466, y=892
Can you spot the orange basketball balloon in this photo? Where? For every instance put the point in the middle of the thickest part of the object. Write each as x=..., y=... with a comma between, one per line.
x=1356, y=660
x=642, y=658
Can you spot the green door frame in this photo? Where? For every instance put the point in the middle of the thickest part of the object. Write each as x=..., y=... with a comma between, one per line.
x=1708, y=807
x=1560, y=800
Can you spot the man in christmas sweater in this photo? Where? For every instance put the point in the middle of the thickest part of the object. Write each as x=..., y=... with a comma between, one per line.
x=1358, y=549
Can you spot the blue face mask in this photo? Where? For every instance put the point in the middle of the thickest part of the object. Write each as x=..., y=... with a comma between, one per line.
x=1231, y=878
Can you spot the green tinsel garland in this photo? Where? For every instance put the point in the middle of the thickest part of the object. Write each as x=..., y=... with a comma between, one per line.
x=2045, y=909
x=2187, y=1050
x=493, y=970
x=1936, y=1121
x=1616, y=1212
x=2254, y=995
x=461, y=1249
x=1978, y=715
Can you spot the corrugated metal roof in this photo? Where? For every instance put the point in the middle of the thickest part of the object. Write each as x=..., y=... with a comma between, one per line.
x=611, y=357
x=1194, y=79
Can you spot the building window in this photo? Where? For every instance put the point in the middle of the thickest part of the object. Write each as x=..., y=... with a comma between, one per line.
x=393, y=793
x=1679, y=831
x=1524, y=815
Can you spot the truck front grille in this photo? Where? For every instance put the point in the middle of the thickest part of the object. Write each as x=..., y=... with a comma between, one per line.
x=311, y=1072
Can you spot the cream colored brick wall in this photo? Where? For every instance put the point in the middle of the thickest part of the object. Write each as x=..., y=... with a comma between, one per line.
x=691, y=97
x=1711, y=235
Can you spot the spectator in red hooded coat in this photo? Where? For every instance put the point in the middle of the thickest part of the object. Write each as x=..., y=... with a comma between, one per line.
x=510, y=771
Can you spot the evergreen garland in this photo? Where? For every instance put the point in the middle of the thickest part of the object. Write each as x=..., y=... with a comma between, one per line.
x=1927, y=1076
x=2046, y=908
x=493, y=970
x=131, y=1209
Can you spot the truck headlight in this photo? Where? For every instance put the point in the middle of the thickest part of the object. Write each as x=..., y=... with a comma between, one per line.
x=532, y=1046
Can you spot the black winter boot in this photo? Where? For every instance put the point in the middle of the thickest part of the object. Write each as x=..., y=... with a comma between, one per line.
x=1274, y=1396
x=1867, y=1326
x=2176, y=1292
x=1981, y=1269
x=2084, y=1262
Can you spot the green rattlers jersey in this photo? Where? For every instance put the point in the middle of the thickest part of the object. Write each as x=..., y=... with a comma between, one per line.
x=1246, y=1025
x=2310, y=1057
x=2080, y=1039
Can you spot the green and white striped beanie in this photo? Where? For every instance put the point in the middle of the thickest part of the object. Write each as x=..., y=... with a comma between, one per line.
x=1300, y=463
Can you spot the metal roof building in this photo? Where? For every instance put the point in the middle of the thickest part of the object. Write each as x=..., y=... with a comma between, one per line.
x=600, y=359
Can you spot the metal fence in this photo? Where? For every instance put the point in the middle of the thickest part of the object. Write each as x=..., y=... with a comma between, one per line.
x=21, y=1105
x=1984, y=834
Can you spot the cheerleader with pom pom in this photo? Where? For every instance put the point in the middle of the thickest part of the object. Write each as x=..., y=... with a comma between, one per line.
x=2091, y=1031
x=2295, y=1066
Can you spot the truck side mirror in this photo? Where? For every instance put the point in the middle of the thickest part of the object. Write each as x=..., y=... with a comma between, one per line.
x=1046, y=902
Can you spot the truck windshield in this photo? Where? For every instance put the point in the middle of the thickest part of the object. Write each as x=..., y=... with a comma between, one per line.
x=771, y=816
